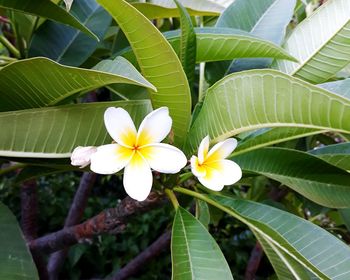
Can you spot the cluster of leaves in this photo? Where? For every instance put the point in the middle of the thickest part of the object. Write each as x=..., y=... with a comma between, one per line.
x=192, y=58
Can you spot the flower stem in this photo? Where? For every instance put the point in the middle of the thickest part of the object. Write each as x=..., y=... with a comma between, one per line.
x=9, y=46
x=210, y=201
x=172, y=198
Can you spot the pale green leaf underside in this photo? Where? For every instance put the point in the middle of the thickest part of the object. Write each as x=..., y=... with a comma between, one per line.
x=54, y=132
x=312, y=177
x=285, y=266
x=337, y=155
x=309, y=245
x=40, y=82
x=321, y=43
x=46, y=9
x=266, y=98
x=166, y=9
x=158, y=62
x=215, y=44
x=194, y=252
x=15, y=259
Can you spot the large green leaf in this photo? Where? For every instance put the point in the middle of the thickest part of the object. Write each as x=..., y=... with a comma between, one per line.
x=15, y=259
x=46, y=9
x=67, y=45
x=315, y=179
x=39, y=82
x=284, y=265
x=309, y=245
x=188, y=44
x=166, y=8
x=321, y=51
x=268, y=136
x=266, y=98
x=54, y=132
x=159, y=64
x=338, y=155
x=215, y=44
x=266, y=19
x=194, y=252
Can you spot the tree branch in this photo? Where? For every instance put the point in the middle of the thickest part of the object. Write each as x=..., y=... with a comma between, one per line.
x=74, y=216
x=254, y=262
x=107, y=221
x=149, y=253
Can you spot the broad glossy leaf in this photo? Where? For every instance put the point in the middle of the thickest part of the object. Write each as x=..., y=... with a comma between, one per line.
x=166, y=8
x=15, y=259
x=338, y=155
x=266, y=98
x=54, y=132
x=188, y=47
x=321, y=43
x=311, y=246
x=266, y=19
x=215, y=44
x=39, y=82
x=269, y=136
x=46, y=9
x=308, y=175
x=158, y=62
x=284, y=265
x=67, y=45
x=194, y=252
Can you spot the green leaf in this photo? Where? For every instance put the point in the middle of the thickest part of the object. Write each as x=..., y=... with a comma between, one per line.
x=32, y=172
x=194, y=252
x=159, y=64
x=46, y=9
x=337, y=155
x=266, y=19
x=284, y=265
x=266, y=98
x=321, y=52
x=187, y=44
x=308, y=175
x=15, y=259
x=39, y=82
x=166, y=8
x=215, y=44
x=314, y=248
x=67, y=45
x=54, y=132
x=269, y=136
x=202, y=212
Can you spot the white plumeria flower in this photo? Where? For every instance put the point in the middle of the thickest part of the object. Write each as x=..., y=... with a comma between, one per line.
x=137, y=151
x=212, y=169
x=81, y=156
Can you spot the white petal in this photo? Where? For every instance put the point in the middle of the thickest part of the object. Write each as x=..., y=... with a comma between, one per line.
x=222, y=149
x=220, y=173
x=138, y=178
x=81, y=156
x=203, y=149
x=164, y=158
x=196, y=169
x=120, y=126
x=231, y=172
x=212, y=180
x=109, y=159
x=155, y=127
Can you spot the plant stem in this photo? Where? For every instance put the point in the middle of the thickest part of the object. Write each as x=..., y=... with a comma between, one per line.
x=9, y=46
x=11, y=168
x=201, y=89
x=172, y=198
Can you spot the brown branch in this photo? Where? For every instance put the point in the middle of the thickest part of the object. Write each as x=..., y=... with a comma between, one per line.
x=29, y=222
x=254, y=262
x=107, y=221
x=74, y=216
x=152, y=251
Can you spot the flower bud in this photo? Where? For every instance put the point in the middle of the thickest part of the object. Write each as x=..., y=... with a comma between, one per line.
x=81, y=156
